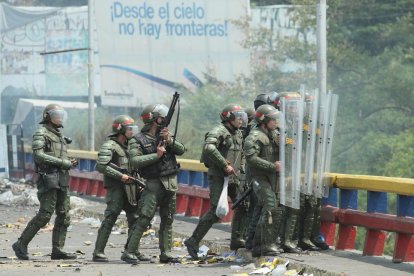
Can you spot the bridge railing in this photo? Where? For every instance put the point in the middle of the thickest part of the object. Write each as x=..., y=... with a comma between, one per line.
x=340, y=219
x=376, y=220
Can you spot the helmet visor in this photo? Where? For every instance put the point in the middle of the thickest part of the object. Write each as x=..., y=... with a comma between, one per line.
x=133, y=128
x=58, y=115
x=161, y=109
x=240, y=114
x=245, y=119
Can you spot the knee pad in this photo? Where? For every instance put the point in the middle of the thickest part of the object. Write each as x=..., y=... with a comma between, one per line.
x=148, y=207
x=43, y=218
x=143, y=222
x=110, y=219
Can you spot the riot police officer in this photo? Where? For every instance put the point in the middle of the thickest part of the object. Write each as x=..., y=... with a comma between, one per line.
x=222, y=154
x=251, y=123
x=290, y=215
x=113, y=163
x=266, y=98
x=152, y=153
x=308, y=201
x=262, y=157
x=255, y=209
x=52, y=165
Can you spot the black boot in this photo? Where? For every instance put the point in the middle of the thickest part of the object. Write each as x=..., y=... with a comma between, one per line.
x=20, y=247
x=237, y=243
x=256, y=251
x=321, y=244
x=20, y=250
x=249, y=243
x=316, y=236
x=142, y=257
x=58, y=254
x=290, y=247
x=269, y=235
x=306, y=244
x=204, y=224
x=99, y=257
x=129, y=258
x=100, y=244
x=289, y=223
x=238, y=226
x=167, y=258
x=132, y=248
x=192, y=247
x=58, y=242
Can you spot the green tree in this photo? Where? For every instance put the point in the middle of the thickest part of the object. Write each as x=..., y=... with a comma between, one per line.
x=371, y=68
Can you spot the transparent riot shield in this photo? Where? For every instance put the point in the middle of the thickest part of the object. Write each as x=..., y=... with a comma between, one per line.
x=320, y=148
x=333, y=107
x=310, y=120
x=290, y=152
x=321, y=144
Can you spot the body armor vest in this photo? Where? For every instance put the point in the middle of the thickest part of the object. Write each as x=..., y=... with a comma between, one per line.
x=229, y=146
x=232, y=148
x=268, y=152
x=120, y=156
x=55, y=146
x=166, y=165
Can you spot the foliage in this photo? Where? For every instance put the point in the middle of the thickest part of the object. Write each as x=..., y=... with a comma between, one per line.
x=371, y=68
x=201, y=112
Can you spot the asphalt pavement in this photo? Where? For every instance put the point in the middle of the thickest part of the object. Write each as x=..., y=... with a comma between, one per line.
x=82, y=235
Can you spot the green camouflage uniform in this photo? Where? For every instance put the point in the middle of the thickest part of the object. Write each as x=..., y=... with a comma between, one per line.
x=116, y=198
x=52, y=163
x=159, y=191
x=261, y=151
x=222, y=145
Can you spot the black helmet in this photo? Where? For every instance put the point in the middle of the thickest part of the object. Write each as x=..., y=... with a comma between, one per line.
x=51, y=111
x=120, y=124
x=265, y=113
x=151, y=112
x=265, y=98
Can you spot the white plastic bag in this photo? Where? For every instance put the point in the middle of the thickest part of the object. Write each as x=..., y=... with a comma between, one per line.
x=223, y=204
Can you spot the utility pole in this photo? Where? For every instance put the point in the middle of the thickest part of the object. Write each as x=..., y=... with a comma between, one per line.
x=321, y=65
x=91, y=79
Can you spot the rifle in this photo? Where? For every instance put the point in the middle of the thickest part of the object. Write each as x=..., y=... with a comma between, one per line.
x=133, y=186
x=166, y=122
x=131, y=179
x=171, y=110
x=242, y=197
